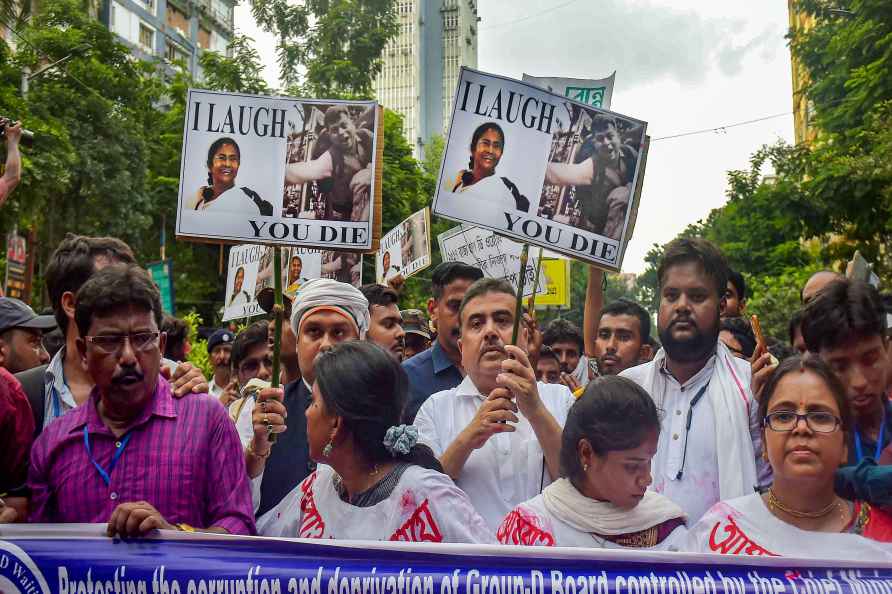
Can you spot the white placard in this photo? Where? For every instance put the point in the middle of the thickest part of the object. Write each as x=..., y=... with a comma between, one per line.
x=540, y=168
x=595, y=92
x=406, y=249
x=277, y=170
x=496, y=256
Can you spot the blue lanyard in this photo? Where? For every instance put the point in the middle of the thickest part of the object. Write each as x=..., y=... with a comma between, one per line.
x=859, y=450
x=106, y=475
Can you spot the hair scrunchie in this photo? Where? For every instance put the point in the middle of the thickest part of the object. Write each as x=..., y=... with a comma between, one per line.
x=400, y=439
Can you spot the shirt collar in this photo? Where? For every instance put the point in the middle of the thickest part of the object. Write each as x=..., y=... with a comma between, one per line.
x=162, y=405
x=441, y=360
x=704, y=373
x=54, y=378
x=467, y=388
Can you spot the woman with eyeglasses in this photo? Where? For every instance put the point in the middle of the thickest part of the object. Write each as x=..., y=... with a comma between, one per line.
x=805, y=428
x=602, y=499
x=374, y=480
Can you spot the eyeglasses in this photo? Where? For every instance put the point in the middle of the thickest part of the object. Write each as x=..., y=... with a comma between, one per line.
x=787, y=420
x=111, y=344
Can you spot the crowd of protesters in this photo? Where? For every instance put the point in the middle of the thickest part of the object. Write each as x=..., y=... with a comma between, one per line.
x=431, y=425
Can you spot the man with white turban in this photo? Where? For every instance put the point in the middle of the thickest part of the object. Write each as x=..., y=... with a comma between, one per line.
x=324, y=313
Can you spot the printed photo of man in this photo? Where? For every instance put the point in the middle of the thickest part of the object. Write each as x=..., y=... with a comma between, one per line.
x=340, y=164
x=221, y=194
x=480, y=179
x=589, y=179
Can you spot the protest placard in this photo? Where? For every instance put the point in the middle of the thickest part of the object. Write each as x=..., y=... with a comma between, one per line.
x=16, y=261
x=496, y=256
x=555, y=275
x=541, y=168
x=250, y=274
x=241, y=280
x=277, y=170
x=406, y=249
x=594, y=92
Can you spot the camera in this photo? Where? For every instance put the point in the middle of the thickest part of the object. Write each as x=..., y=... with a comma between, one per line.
x=27, y=137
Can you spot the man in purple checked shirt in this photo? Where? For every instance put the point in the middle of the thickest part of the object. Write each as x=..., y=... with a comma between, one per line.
x=134, y=456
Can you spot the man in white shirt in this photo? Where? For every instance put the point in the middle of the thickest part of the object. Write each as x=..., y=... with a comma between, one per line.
x=706, y=449
x=498, y=433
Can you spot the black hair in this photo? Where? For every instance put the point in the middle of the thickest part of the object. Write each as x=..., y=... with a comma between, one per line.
x=613, y=414
x=627, y=307
x=705, y=253
x=333, y=114
x=816, y=365
x=448, y=272
x=479, y=132
x=561, y=330
x=367, y=388
x=843, y=310
x=379, y=295
x=74, y=262
x=116, y=286
x=219, y=143
x=741, y=330
x=736, y=279
x=208, y=191
x=254, y=335
x=602, y=122
x=795, y=325
x=177, y=333
x=484, y=286
x=546, y=352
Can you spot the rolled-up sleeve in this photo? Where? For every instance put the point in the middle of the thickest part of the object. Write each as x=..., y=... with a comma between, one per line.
x=229, y=489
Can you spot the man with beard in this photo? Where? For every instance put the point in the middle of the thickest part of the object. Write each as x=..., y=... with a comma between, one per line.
x=343, y=166
x=498, y=433
x=323, y=314
x=133, y=455
x=706, y=448
x=386, y=323
x=845, y=325
x=21, y=331
x=439, y=367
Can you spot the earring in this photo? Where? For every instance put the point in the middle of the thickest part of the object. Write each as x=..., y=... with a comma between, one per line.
x=585, y=468
x=326, y=451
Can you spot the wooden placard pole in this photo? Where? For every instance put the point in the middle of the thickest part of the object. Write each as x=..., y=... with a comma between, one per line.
x=278, y=312
x=518, y=308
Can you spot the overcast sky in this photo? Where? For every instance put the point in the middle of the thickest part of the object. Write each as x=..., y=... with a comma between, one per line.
x=681, y=65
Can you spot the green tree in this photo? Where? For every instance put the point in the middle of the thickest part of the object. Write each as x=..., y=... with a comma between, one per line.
x=328, y=48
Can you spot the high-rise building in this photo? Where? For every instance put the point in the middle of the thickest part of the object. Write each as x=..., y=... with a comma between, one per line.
x=421, y=64
x=803, y=110
x=171, y=29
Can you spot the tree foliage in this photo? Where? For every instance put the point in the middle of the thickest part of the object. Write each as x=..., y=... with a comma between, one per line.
x=328, y=48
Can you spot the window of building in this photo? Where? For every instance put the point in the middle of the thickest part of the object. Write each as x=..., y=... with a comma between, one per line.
x=177, y=19
x=174, y=52
x=146, y=37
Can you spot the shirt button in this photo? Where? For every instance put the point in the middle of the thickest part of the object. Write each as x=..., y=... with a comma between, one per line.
x=117, y=444
x=678, y=412
x=113, y=496
x=675, y=436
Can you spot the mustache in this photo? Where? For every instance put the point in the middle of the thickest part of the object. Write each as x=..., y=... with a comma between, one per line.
x=126, y=375
x=493, y=346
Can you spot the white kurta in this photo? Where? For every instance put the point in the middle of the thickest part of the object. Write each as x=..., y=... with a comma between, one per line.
x=745, y=526
x=699, y=487
x=425, y=506
x=244, y=422
x=489, y=189
x=232, y=200
x=510, y=467
x=530, y=523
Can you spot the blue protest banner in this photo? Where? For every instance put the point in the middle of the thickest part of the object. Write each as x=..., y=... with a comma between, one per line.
x=77, y=560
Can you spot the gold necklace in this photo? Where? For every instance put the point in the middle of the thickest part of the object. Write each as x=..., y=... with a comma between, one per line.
x=774, y=502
